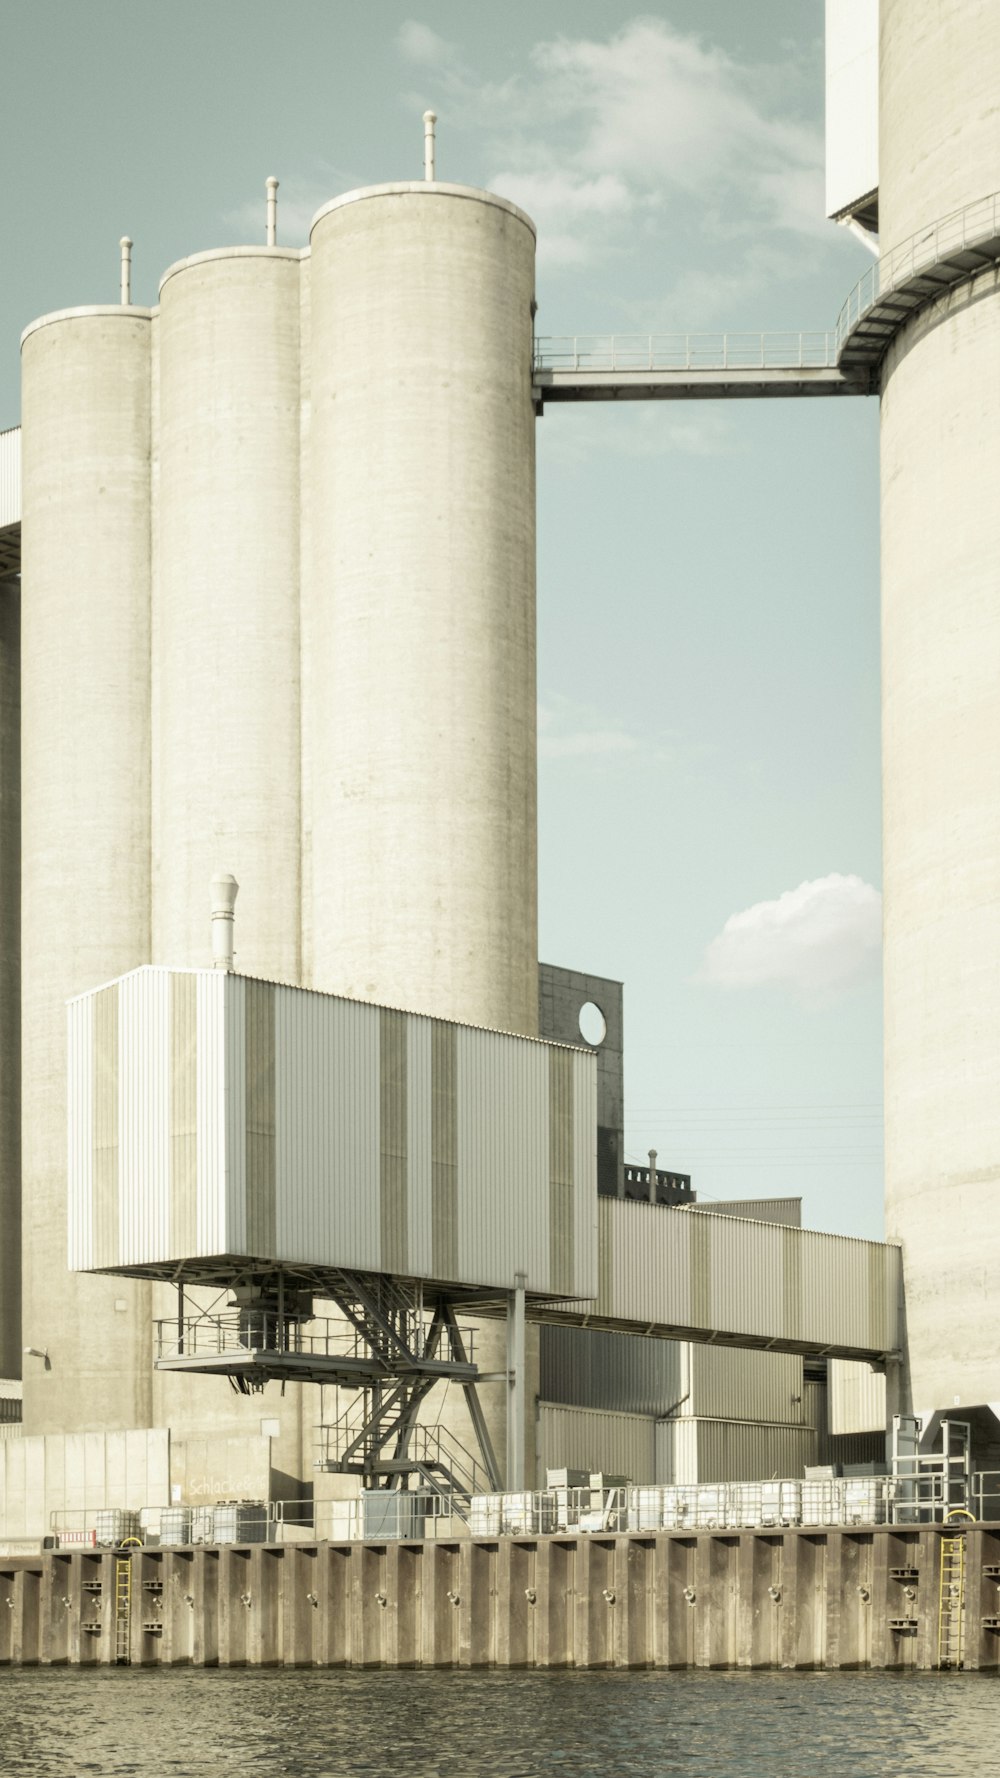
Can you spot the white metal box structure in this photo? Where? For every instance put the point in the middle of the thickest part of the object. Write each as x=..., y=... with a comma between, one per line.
x=851, y=105
x=215, y=1117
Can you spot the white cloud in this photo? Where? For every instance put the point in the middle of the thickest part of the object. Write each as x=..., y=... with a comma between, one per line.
x=819, y=938
x=593, y=131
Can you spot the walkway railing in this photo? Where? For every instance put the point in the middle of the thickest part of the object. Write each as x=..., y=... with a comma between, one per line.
x=685, y=351
x=239, y=1331
x=818, y=1502
x=963, y=231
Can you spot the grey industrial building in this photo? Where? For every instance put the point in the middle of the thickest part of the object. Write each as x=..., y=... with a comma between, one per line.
x=351, y=1206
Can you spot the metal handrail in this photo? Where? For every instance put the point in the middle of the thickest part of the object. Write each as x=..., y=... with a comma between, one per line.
x=685, y=351
x=234, y=1331
x=961, y=230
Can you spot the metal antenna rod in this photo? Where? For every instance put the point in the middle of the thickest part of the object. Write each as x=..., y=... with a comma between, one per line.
x=126, y=270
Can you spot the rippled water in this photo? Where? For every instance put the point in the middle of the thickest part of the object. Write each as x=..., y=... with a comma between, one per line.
x=64, y=1723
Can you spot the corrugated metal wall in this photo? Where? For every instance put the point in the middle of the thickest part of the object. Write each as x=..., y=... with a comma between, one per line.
x=588, y=1439
x=857, y=1398
x=674, y=1269
x=10, y=476
x=214, y=1114
x=728, y=1451
x=787, y=1211
x=625, y=1372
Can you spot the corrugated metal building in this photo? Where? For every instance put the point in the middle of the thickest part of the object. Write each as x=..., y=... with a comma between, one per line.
x=857, y=1398
x=626, y=1373
x=215, y=1115
x=724, y=1277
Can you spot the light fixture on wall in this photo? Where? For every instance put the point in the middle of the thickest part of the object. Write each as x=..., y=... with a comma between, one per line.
x=36, y=1352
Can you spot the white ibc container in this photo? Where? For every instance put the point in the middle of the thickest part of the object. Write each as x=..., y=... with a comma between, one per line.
x=113, y=1523
x=203, y=1524
x=823, y=1502
x=646, y=1509
x=486, y=1515
x=528, y=1513
x=711, y=1507
x=243, y=1521
x=175, y=1524
x=864, y=1500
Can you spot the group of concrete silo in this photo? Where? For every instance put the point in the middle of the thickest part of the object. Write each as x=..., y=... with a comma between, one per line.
x=279, y=620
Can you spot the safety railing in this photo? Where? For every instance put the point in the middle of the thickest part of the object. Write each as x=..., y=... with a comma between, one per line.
x=423, y=1513
x=685, y=351
x=963, y=230
x=236, y=1331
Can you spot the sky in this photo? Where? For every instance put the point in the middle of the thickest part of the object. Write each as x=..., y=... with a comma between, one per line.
x=707, y=572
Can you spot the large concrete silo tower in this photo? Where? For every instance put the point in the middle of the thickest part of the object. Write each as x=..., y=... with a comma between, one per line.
x=419, y=605
x=939, y=151
x=279, y=555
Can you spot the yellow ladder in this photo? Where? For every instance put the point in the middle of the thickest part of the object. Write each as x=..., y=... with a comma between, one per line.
x=123, y=1602
x=951, y=1594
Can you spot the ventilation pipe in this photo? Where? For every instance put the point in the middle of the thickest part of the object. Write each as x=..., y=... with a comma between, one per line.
x=224, y=892
x=272, y=211
x=430, y=119
x=126, y=270
x=652, y=1176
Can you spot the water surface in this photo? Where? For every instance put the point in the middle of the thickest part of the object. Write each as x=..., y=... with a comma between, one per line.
x=192, y=1723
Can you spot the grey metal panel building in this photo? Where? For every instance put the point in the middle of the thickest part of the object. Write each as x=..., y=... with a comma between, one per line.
x=743, y=1283
x=214, y=1115
x=618, y=1372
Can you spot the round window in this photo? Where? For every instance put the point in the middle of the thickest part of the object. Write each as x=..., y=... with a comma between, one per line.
x=593, y=1024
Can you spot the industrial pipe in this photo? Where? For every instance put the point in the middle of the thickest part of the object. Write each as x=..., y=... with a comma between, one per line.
x=126, y=270
x=272, y=211
x=430, y=119
x=224, y=892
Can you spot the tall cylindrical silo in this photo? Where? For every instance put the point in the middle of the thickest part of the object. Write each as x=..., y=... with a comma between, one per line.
x=419, y=724
x=10, y=978
x=940, y=151
x=419, y=706
x=225, y=607
x=226, y=660
x=85, y=815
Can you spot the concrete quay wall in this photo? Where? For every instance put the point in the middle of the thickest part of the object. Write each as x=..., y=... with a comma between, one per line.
x=787, y=1598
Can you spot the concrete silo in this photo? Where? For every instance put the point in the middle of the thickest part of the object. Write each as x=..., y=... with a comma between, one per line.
x=419, y=605
x=940, y=151
x=225, y=660
x=225, y=606
x=86, y=814
x=10, y=977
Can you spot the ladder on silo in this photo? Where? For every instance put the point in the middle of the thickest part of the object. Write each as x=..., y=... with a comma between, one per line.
x=123, y=1601
x=951, y=1594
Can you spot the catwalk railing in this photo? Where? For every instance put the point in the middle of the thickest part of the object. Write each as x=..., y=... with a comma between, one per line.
x=685, y=351
x=962, y=234
x=377, y=1515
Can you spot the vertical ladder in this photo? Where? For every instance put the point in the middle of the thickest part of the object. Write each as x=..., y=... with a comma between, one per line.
x=951, y=1594
x=123, y=1601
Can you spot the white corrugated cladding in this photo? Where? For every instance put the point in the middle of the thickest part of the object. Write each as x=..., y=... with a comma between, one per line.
x=10, y=477
x=733, y=1384
x=143, y=1115
x=80, y=1134
x=214, y=1114
x=787, y=1211
x=721, y=1274
x=79, y=1473
x=590, y=1439
x=500, y=1158
x=857, y=1398
x=729, y=1451
x=327, y=1122
x=584, y=1367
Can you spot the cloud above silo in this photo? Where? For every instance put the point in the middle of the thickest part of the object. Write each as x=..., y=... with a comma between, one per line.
x=819, y=939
